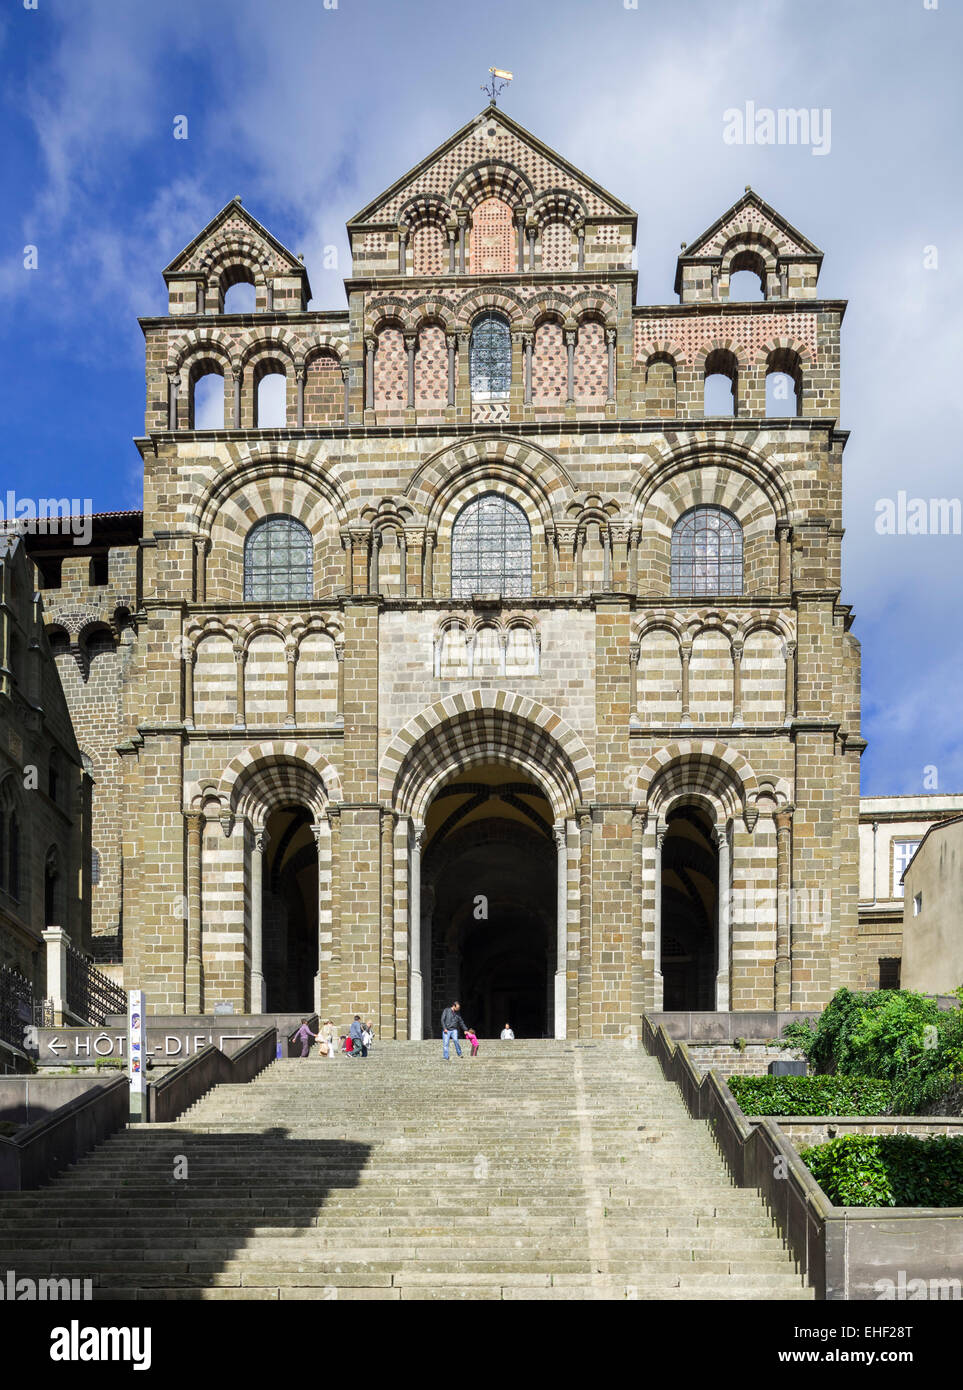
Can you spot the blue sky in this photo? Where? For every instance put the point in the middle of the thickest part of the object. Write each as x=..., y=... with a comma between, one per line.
x=307, y=111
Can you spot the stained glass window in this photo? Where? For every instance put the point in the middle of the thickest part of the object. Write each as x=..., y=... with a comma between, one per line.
x=491, y=549
x=707, y=553
x=278, y=560
x=490, y=358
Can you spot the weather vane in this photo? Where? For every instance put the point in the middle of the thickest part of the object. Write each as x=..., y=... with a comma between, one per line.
x=495, y=87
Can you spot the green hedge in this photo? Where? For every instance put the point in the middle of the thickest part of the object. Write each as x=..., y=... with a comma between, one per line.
x=812, y=1095
x=894, y=1170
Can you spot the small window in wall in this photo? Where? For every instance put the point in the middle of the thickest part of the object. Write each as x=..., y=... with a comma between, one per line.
x=98, y=570
x=903, y=851
x=889, y=972
x=49, y=569
x=917, y=904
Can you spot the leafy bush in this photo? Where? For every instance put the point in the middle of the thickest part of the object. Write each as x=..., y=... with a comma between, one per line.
x=893, y=1035
x=893, y=1170
x=812, y=1095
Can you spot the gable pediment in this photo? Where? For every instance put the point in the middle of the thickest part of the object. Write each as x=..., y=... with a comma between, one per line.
x=491, y=156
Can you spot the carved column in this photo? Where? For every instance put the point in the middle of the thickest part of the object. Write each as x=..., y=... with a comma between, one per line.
x=783, y=982
x=638, y=982
x=531, y=229
x=520, y=225
x=633, y=559
x=387, y=1021
x=173, y=381
x=402, y=249
x=561, y=927
x=258, y=851
x=193, y=1001
x=299, y=374
x=201, y=547
x=417, y=1008
x=570, y=337
x=240, y=661
x=580, y=234
x=790, y=682
x=291, y=656
x=658, y=983
x=527, y=344
x=238, y=383
x=370, y=343
x=374, y=582
x=451, y=227
x=579, y=559
x=462, y=216
x=403, y=564
x=610, y=337
x=339, y=657
x=737, y=683
x=335, y=999
x=411, y=343
x=189, y=658
x=721, y=837
x=345, y=390
x=585, y=1019
x=429, y=565
x=783, y=539
x=686, y=654
x=451, y=340
x=635, y=651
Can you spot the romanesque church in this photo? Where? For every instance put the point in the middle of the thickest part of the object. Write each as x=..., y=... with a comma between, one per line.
x=483, y=639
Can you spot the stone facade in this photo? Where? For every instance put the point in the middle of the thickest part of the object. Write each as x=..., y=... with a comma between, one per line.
x=45, y=789
x=567, y=797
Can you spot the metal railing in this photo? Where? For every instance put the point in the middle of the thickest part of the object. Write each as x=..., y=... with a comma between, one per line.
x=91, y=995
x=18, y=1007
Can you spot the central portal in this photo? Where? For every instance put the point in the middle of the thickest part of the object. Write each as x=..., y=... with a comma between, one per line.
x=489, y=882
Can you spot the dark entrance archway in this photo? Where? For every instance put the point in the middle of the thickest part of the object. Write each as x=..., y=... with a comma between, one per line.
x=290, y=911
x=489, y=876
x=690, y=910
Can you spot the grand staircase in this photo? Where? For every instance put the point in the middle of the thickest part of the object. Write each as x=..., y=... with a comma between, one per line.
x=538, y=1170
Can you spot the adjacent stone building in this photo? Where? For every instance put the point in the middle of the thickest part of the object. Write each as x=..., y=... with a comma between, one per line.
x=484, y=638
x=44, y=786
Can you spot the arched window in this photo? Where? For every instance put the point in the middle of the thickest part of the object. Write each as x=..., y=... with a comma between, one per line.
x=491, y=549
x=278, y=560
x=707, y=552
x=490, y=358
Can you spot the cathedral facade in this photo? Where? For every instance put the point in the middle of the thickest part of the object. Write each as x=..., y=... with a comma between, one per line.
x=482, y=640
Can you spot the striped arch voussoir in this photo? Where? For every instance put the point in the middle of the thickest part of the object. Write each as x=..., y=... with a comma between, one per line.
x=267, y=774
x=699, y=765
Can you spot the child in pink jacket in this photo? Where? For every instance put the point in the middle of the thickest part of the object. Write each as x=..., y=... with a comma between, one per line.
x=471, y=1037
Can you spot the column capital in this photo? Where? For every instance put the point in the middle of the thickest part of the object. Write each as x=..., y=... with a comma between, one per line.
x=261, y=841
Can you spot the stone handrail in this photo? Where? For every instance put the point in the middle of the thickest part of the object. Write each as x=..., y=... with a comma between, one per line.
x=757, y=1155
x=41, y=1150
x=193, y=1078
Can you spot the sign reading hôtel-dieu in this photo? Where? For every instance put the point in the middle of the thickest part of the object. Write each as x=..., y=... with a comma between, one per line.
x=167, y=1044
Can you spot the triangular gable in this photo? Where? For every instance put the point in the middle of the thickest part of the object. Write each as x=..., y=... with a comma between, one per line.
x=511, y=144
x=754, y=214
x=234, y=220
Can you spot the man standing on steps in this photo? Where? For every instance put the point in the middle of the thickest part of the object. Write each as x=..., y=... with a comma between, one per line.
x=358, y=1048
x=451, y=1021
